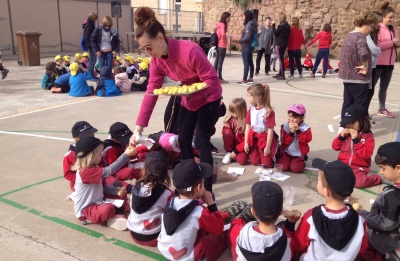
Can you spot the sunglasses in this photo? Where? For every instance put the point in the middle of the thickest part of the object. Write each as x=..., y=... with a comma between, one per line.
x=146, y=48
x=107, y=25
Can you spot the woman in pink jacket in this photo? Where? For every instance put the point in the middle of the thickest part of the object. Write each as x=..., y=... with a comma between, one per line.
x=388, y=41
x=221, y=28
x=182, y=61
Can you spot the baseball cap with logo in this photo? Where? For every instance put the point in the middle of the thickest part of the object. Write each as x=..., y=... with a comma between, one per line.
x=352, y=113
x=187, y=172
x=82, y=129
x=121, y=132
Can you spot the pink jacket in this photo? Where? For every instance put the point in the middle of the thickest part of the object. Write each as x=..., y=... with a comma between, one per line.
x=388, y=55
x=187, y=63
x=220, y=30
x=122, y=81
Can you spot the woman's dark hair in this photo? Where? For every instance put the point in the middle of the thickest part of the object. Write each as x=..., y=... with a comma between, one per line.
x=224, y=16
x=386, y=9
x=375, y=32
x=248, y=16
x=146, y=22
x=365, y=124
x=327, y=28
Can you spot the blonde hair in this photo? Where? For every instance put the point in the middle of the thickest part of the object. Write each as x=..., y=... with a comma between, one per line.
x=296, y=22
x=239, y=107
x=261, y=91
x=107, y=20
x=88, y=160
x=282, y=18
x=92, y=16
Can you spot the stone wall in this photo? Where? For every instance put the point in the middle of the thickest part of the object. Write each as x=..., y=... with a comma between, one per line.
x=313, y=15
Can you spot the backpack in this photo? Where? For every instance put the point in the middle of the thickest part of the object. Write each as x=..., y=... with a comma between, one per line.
x=214, y=39
x=254, y=40
x=83, y=43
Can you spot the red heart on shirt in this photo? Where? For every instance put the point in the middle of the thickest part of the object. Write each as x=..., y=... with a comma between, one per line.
x=177, y=254
x=150, y=225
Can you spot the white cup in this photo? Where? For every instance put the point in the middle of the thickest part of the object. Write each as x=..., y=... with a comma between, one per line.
x=290, y=191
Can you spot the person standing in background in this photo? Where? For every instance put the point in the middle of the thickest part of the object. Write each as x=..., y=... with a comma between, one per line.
x=250, y=28
x=282, y=33
x=3, y=70
x=87, y=33
x=266, y=44
x=221, y=28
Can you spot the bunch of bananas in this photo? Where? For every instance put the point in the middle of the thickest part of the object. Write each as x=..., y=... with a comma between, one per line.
x=184, y=89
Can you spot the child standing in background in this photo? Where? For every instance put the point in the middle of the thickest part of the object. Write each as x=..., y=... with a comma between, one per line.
x=122, y=80
x=274, y=57
x=325, y=41
x=89, y=204
x=49, y=77
x=260, y=138
x=296, y=40
x=233, y=132
x=106, y=86
x=149, y=199
x=356, y=145
x=295, y=136
x=77, y=81
x=79, y=130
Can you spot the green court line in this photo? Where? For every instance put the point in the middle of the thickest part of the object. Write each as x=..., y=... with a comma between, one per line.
x=84, y=230
x=29, y=186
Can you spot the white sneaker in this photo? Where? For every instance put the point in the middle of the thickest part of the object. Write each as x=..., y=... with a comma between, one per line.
x=227, y=158
x=117, y=222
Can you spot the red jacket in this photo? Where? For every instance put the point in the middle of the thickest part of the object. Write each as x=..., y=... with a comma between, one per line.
x=239, y=136
x=296, y=39
x=325, y=40
x=68, y=162
x=308, y=63
x=355, y=153
x=303, y=138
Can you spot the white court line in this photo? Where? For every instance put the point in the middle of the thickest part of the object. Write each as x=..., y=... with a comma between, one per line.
x=34, y=135
x=48, y=108
x=336, y=117
x=330, y=128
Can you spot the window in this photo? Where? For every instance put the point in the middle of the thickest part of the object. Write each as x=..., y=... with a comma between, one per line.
x=162, y=6
x=178, y=6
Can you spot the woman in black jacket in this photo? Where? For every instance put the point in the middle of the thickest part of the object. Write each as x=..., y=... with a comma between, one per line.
x=282, y=33
x=87, y=33
x=249, y=30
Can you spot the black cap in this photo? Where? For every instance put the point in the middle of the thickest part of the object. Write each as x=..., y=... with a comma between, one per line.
x=391, y=151
x=156, y=164
x=121, y=133
x=338, y=175
x=187, y=172
x=82, y=129
x=352, y=113
x=267, y=199
x=86, y=145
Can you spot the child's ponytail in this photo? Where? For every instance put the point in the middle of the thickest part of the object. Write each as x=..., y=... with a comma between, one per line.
x=155, y=170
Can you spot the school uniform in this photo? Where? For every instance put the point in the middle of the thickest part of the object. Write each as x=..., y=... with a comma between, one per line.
x=144, y=221
x=259, y=122
x=234, y=141
x=141, y=82
x=131, y=71
x=79, y=86
x=63, y=82
x=122, y=81
x=190, y=231
x=294, y=147
x=68, y=162
x=106, y=86
x=60, y=71
x=325, y=234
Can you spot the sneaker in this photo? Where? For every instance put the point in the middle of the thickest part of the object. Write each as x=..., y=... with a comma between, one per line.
x=301, y=76
x=227, y=158
x=117, y=222
x=323, y=76
x=280, y=78
x=276, y=75
x=386, y=113
x=234, y=210
x=250, y=81
x=223, y=81
x=86, y=222
x=246, y=214
x=311, y=76
x=291, y=77
x=242, y=82
x=4, y=73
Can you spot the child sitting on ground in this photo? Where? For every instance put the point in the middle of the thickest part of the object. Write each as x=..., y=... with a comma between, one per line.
x=295, y=136
x=333, y=231
x=77, y=81
x=79, y=130
x=67, y=62
x=117, y=61
x=149, y=199
x=60, y=69
x=189, y=230
x=141, y=79
x=122, y=80
x=89, y=204
x=61, y=84
x=308, y=63
x=77, y=59
x=355, y=144
x=49, y=76
x=262, y=239
x=85, y=60
x=130, y=66
x=233, y=132
x=106, y=85
x=383, y=220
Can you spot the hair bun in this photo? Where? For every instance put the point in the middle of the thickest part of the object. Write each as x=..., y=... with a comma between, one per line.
x=143, y=15
x=385, y=5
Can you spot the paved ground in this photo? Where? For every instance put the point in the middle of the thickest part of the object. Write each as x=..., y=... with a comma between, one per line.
x=37, y=223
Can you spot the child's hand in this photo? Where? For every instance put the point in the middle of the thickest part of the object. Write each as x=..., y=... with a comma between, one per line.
x=122, y=191
x=131, y=151
x=292, y=216
x=98, y=54
x=357, y=206
x=267, y=151
x=344, y=132
x=233, y=155
x=293, y=127
x=207, y=198
x=246, y=148
x=353, y=133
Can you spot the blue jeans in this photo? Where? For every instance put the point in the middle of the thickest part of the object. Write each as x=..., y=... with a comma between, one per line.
x=247, y=56
x=322, y=53
x=295, y=55
x=105, y=59
x=92, y=61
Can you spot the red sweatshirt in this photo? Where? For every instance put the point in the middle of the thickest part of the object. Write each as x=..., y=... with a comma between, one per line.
x=325, y=40
x=296, y=39
x=68, y=162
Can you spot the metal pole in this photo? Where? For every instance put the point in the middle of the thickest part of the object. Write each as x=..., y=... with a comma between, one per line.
x=59, y=25
x=176, y=20
x=11, y=27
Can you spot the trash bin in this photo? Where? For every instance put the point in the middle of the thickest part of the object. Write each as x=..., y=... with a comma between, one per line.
x=28, y=47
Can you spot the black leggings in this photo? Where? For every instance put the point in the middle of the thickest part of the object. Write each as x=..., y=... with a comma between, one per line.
x=219, y=61
x=384, y=73
x=281, y=57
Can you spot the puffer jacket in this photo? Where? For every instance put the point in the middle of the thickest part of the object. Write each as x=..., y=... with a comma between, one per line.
x=282, y=33
x=122, y=81
x=249, y=30
x=220, y=30
x=389, y=52
x=87, y=32
x=95, y=39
